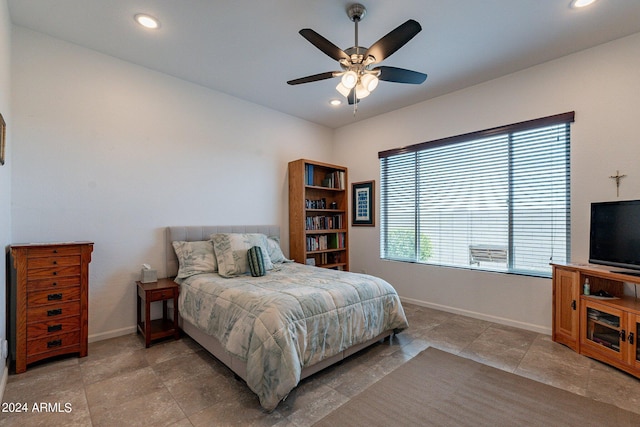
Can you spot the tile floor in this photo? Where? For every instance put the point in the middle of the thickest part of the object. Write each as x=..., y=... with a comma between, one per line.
x=177, y=383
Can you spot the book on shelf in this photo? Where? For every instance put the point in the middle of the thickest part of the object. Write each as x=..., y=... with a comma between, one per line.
x=332, y=222
x=334, y=179
x=328, y=258
x=308, y=170
x=336, y=240
x=316, y=243
x=324, y=242
x=315, y=204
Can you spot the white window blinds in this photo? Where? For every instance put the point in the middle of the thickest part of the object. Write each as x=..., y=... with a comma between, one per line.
x=494, y=200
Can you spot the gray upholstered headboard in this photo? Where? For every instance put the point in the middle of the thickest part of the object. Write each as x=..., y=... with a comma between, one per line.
x=193, y=233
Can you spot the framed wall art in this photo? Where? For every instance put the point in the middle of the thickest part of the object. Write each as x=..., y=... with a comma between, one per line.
x=3, y=126
x=362, y=203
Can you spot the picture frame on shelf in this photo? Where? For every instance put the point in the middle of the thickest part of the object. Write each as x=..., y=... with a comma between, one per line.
x=363, y=203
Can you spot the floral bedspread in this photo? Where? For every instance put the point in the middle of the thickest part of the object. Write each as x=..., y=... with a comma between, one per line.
x=289, y=319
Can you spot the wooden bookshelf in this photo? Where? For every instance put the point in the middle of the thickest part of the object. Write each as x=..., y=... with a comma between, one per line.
x=318, y=214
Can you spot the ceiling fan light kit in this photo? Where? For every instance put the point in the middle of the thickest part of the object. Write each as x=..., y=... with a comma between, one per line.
x=343, y=90
x=350, y=79
x=361, y=91
x=358, y=78
x=369, y=81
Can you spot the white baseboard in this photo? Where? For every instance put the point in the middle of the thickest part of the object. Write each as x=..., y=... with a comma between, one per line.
x=503, y=321
x=3, y=381
x=509, y=322
x=112, y=334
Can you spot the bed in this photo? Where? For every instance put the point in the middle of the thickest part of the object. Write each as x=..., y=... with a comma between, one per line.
x=274, y=330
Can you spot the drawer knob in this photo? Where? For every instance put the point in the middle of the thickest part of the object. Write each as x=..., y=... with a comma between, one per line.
x=55, y=312
x=55, y=273
x=54, y=328
x=54, y=343
x=55, y=262
x=54, y=297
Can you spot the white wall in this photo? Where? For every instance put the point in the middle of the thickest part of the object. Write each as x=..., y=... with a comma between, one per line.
x=5, y=171
x=600, y=84
x=106, y=151
x=111, y=152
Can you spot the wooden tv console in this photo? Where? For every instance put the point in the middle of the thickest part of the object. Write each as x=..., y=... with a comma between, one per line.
x=605, y=329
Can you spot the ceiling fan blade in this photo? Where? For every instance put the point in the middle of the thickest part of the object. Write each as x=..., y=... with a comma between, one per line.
x=313, y=78
x=393, y=41
x=400, y=75
x=323, y=44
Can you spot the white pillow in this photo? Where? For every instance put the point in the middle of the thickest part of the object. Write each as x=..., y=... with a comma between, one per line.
x=231, y=252
x=275, y=251
x=194, y=258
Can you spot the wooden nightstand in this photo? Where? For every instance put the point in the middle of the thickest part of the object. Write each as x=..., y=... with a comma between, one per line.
x=162, y=290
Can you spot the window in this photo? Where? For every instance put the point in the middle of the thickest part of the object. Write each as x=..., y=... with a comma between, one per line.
x=494, y=200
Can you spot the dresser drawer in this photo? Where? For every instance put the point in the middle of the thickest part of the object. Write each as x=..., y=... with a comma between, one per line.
x=47, y=313
x=50, y=251
x=53, y=283
x=160, y=295
x=53, y=327
x=52, y=296
x=52, y=343
x=54, y=261
x=52, y=272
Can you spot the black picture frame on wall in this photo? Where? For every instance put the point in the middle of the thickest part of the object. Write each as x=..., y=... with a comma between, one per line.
x=362, y=203
x=3, y=127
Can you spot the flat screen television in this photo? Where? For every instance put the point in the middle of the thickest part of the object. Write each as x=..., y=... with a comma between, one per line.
x=615, y=234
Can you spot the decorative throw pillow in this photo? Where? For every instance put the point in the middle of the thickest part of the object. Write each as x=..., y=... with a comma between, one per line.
x=256, y=261
x=231, y=252
x=194, y=258
x=275, y=251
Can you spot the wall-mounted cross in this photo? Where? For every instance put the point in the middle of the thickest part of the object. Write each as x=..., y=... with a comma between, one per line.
x=617, y=177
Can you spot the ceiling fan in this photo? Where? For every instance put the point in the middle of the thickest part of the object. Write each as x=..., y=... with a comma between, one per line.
x=358, y=78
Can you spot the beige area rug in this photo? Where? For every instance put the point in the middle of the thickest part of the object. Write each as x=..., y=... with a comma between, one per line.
x=436, y=388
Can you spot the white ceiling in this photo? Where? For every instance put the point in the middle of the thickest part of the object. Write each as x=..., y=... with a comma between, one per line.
x=249, y=49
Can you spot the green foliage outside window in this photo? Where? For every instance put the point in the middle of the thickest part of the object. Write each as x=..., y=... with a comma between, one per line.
x=401, y=245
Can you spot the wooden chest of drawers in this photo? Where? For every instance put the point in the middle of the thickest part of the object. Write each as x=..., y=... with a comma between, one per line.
x=48, y=301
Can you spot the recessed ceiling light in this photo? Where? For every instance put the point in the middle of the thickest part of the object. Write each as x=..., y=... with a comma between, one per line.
x=581, y=3
x=335, y=102
x=147, y=21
